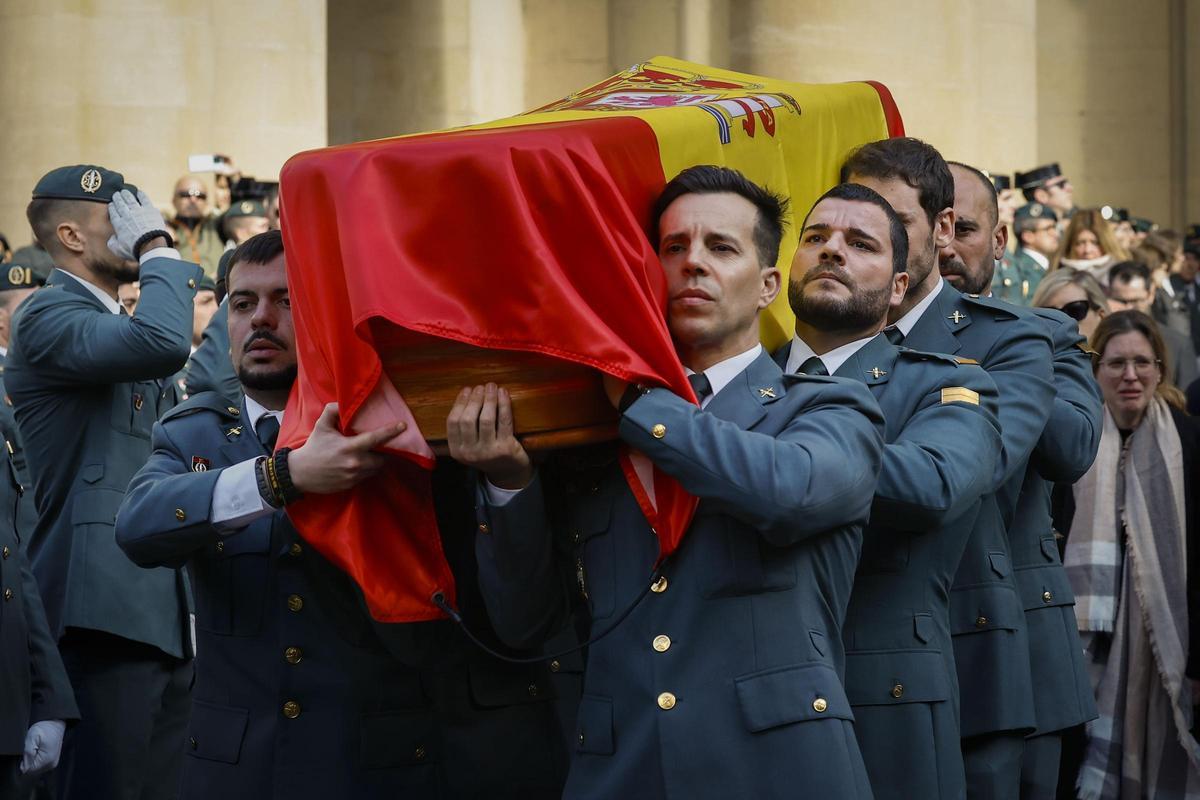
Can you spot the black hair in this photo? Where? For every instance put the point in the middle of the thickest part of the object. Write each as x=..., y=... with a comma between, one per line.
x=1129, y=271
x=857, y=193
x=44, y=215
x=993, y=196
x=711, y=179
x=258, y=249
x=913, y=161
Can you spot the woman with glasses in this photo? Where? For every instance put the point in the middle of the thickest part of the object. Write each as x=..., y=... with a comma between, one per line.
x=1131, y=544
x=1076, y=294
x=1089, y=245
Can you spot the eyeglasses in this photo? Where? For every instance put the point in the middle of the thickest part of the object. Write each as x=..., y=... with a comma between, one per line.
x=199, y=194
x=1077, y=309
x=1142, y=366
x=1045, y=228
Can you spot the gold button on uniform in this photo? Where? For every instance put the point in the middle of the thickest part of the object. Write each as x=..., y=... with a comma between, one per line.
x=662, y=643
x=291, y=709
x=819, y=705
x=295, y=602
x=898, y=691
x=555, y=666
x=220, y=547
x=533, y=690
x=8, y=594
x=483, y=528
x=1047, y=597
x=981, y=622
x=180, y=515
x=666, y=701
x=292, y=655
x=419, y=753
x=658, y=431
x=4, y=552
x=191, y=283
x=660, y=585
x=295, y=549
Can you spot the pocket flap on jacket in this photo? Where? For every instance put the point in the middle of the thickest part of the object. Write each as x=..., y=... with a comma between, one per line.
x=881, y=679
x=1050, y=549
x=999, y=562
x=216, y=732
x=496, y=685
x=785, y=695
x=589, y=517
x=92, y=506
x=594, y=726
x=978, y=609
x=397, y=739
x=1044, y=587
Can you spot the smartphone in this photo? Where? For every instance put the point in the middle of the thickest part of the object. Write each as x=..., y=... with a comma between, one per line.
x=206, y=162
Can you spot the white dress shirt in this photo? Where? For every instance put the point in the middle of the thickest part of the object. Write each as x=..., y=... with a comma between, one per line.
x=236, y=501
x=109, y=302
x=909, y=320
x=832, y=360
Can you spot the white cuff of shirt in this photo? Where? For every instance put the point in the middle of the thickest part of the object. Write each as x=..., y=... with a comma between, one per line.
x=496, y=496
x=160, y=252
x=236, y=501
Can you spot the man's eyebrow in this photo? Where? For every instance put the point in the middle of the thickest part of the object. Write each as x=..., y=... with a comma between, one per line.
x=857, y=233
x=861, y=234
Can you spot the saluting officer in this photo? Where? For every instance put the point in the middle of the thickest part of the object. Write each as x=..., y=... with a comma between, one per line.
x=87, y=383
x=722, y=675
x=298, y=693
x=991, y=647
x=942, y=440
x=1066, y=448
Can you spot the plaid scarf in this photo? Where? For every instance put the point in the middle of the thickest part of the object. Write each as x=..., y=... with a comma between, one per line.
x=1131, y=605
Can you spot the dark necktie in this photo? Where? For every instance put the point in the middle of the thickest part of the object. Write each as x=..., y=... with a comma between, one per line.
x=813, y=366
x=700, y=385
x=268, y=431
x=894, y=334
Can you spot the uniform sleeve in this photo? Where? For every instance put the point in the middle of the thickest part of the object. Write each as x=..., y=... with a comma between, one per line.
x=1071, y=437
x=166, y=513
x=945, y=456
x=71, y=344
x=51, y=696
x=1020, y=364
x=209, y=369
x=523, y=577
x=817, y=474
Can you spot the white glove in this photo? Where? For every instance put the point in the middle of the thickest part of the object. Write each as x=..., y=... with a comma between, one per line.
x=43, y=746
x=132, y=218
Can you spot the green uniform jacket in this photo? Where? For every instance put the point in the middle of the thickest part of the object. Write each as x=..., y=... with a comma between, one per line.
x=87, y=386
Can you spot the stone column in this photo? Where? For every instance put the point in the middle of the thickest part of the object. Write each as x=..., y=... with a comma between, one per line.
x=137, y=86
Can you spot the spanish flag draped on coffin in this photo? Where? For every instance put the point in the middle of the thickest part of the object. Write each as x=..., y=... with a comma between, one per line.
x=526, y=236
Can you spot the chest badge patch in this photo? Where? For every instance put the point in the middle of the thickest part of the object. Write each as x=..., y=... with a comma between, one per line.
x=138, y=401
x=200, y=464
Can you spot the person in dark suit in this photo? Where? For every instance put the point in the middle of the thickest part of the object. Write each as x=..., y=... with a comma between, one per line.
x=87, y=383
x=720, y=674
x=298, y=693
x=36, y=701
x=1131, y=525
x=1062, y=691
x=991, y=647
x=942, y=442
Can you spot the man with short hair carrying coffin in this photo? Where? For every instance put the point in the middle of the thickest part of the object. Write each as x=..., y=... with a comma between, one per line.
x=942, y=439
x=987, y=618
x=722, y=674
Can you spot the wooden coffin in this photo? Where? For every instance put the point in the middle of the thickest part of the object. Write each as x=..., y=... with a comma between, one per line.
x=555, y=403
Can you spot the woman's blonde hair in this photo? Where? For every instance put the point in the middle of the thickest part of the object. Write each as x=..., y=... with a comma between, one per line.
x=1089, y=219
x=1058, y=279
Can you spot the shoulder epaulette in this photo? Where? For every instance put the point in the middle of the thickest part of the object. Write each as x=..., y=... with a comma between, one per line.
x=921, y=355
x=993, y=305
x=204, y=401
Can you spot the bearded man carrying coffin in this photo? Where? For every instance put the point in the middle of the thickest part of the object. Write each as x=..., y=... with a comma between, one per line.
x=722, y=675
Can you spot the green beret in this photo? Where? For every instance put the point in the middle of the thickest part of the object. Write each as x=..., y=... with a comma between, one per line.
x=35, y=257
x=1035, y=211
x=81, y=182
x=1000, y=182
x=246, y=208
x=223, y=265
x=1142, y=225
x=206, y=284
x=16, y=275
x=1113, y=214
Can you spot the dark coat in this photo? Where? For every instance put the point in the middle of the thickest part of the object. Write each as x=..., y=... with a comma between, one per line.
x=384, y=711
x=725, y=679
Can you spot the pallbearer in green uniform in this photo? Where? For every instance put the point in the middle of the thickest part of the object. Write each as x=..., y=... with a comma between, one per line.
x=87, y=383
x=942, y=439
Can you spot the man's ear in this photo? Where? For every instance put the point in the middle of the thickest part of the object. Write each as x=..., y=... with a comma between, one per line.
x=899, y=289
x=999, y=241
x=1041, y=195
x=70, y=237
x=772, y=280
x=943, y=228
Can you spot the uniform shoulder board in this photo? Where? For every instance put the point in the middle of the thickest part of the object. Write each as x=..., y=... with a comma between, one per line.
x=1083, y=345
x=204, y=401
x=961, y=360
x=921, y=355
x=993, y=305
x=960, y=394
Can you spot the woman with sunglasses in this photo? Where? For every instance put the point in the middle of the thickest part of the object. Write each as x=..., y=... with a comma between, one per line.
x=1131, y=545
x=1076, y=294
